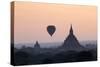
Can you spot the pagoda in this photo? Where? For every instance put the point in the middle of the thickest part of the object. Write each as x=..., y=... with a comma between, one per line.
x=71, y=42
x=37, y=45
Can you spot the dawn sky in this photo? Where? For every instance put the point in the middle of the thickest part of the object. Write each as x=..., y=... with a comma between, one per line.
x=32, y=19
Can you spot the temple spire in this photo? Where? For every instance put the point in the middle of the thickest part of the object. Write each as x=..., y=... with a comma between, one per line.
x=71, y=29
x=37, y=45
x=71, y=42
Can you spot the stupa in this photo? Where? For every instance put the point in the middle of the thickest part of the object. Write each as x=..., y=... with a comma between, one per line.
x=37, y=45
x=71, y=42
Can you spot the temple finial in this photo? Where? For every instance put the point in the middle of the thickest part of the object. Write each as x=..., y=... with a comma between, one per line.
x=71, y=29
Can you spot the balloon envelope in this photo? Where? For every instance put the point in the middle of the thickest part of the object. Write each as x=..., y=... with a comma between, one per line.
x=51, y=29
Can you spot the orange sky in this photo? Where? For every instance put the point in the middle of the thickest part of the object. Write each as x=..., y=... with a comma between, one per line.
x=31, y=20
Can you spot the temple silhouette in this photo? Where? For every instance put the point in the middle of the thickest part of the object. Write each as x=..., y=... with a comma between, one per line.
x=71, y=42
x=37, y=45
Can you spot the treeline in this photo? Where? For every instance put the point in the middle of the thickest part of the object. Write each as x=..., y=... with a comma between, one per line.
x=32, y=56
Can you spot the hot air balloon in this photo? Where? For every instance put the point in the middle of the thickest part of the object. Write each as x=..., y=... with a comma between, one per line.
x=51, y=29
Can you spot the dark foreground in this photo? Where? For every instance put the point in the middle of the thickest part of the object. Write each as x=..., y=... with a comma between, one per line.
x=29, y=56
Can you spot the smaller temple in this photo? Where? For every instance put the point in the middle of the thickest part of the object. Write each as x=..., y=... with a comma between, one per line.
x=71, y=42
x=37, y=45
